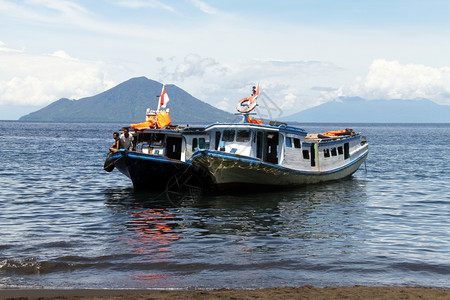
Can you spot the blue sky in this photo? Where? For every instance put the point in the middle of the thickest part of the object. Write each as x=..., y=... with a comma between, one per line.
x=303, y=53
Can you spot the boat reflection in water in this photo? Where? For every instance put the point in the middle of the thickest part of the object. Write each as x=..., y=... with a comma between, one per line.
x=150, y=230
x=151, y=238
x=153, y=231
x=165, y=245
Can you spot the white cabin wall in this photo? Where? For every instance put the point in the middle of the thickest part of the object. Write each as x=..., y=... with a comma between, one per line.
x=281, y=148
x=186, y=147
x=356, y=148
x=183, y=149
x=242, y=148
x=333, y=162
x=237, y=147
x=253, y=144
x=187, y=141
x=293, y=157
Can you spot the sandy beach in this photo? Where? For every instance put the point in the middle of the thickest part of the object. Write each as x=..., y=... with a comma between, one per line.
x=304, y=292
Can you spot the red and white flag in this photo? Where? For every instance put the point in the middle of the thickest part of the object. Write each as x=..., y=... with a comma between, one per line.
x=163, y=99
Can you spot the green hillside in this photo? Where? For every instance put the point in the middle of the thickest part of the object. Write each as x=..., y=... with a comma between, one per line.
x=127, y=102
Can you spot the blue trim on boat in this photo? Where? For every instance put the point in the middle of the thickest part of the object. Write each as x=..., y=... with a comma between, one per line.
x=144, y=156
x=152, y=157
x=292, y=130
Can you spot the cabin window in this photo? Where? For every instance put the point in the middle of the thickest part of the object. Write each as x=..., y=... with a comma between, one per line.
x=145, y=137
x=297, y=143
x=271, y=146
x=305, y=154
x=228, y=135
x=346, y=151
x=201, y=143
x=333, y=152
x=288, y=142
x=243, y=136
x=157, y=140
x=173, y=147
x=313, y=155
x=326, y=152
x=340, y=150
x=194, y=144
x=217, y=139
x=259, y=144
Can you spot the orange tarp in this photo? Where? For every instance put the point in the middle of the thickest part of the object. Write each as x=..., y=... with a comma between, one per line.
x=251, y=120
x=339, y=132
x=144, y=125
x=162, y=119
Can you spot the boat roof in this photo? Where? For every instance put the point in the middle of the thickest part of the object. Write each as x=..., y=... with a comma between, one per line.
x=173, y=130
x=276, y=126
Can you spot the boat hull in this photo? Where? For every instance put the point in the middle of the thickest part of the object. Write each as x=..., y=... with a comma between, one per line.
x=231, y=171
x=148, y=171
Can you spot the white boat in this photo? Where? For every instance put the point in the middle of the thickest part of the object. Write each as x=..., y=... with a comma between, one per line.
x=252, y=154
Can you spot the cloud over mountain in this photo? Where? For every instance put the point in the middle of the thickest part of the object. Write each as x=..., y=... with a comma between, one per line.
x=393, y=80
x=40, y=79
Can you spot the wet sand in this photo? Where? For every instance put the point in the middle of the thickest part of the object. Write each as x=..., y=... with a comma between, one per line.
x=304, y=292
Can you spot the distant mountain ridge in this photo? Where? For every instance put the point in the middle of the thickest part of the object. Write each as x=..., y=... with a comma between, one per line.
x=127, y=102
x=359, y=110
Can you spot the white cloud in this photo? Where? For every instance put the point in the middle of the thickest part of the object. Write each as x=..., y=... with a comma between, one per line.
x=204, y=7
x=4, y=48
x=46, y=11
x=222, y=84
x=136, y=4
x=60, y=14
x=62, y=54
x=392, y=80
x=223, y=105
x=195, y=66
x=289, y=101
x=41, y=79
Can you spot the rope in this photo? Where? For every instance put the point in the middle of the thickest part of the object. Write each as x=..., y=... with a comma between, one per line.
x=167, y=188
x=179, y=175
x=65, y=186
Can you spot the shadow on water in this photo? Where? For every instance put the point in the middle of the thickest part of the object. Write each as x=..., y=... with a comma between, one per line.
x=128, y=196
x=315, y=211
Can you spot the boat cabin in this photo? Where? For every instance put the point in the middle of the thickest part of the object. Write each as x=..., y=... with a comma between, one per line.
x=178, y=143
x=265, y=142
x=284, y=145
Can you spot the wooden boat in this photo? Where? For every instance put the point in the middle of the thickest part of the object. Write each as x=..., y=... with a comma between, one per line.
x=162, y=152
x=160, y=155
x=253, y=154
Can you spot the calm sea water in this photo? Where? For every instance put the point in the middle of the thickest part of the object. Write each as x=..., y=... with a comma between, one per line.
x=66, y=223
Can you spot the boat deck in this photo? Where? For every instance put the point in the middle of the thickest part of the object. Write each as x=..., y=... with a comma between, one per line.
x=313, y=137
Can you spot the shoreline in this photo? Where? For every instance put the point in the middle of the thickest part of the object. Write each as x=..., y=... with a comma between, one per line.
x=303, y=292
